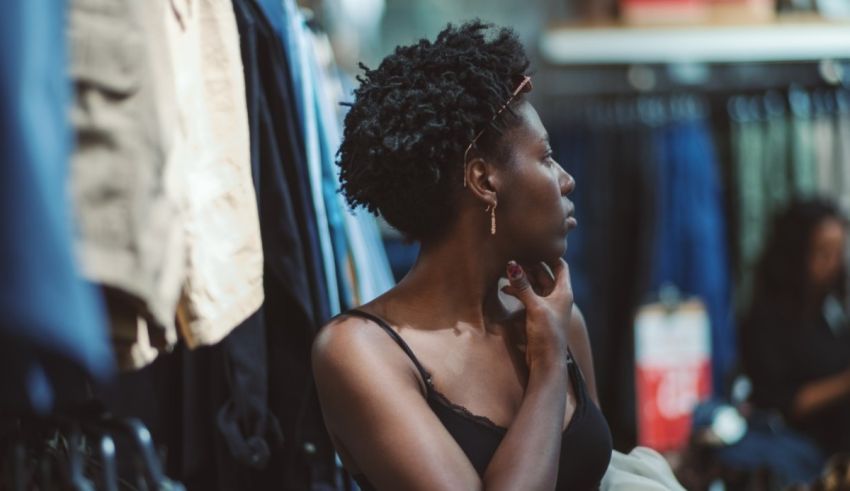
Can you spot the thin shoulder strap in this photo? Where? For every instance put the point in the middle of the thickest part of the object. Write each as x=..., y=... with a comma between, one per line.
x=574, y=368
x=426, y=377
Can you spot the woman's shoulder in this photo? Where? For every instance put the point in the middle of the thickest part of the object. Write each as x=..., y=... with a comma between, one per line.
x=348, y=334
x=359, y=345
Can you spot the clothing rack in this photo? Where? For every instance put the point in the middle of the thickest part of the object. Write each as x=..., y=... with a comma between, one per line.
x=83, y=449
x=578, y=81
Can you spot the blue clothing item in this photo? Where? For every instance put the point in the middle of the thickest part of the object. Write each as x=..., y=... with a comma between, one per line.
x=289, y=25
x=355, y=234
x=372, y=266
x=283, y=75
x=690, y=245
x=376, y=277
x=53, y=322
x=304, y=80
x=790, y=457
x=402, y=255
x=630, y=163
x=609, y=252
x=293, y=280
x=329, y=141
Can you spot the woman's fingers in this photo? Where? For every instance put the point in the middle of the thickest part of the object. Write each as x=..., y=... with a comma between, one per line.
x=542, y=279
x=520, y=287
x=561, y=270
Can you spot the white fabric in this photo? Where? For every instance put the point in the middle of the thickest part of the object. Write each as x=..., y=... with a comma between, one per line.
x=642, y=469
x=224, y=283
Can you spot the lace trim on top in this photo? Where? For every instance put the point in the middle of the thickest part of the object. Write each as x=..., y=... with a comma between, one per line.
x=465, y=413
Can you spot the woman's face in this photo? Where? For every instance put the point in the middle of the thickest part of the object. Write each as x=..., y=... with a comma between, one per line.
x=827, y=253
x=534, y=214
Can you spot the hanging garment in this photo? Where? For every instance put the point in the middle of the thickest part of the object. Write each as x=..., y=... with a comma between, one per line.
x=329, y=140
x=842, y=123
x=802, y=144
x=162, y=171
x=124, y=186
x=53, y=333
x=362, y=267
x=842, y=163
x=280, y=77
x=294, y=278
x=777, y=185
x=824, y=144
x=224, y=282
x=302, y=69
x=607, y=146
x=750, y=166
x=228, y=432
x=690, y=243
x=369, y=262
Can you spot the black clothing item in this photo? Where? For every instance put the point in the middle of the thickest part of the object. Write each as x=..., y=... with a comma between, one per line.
x=781, y=356
x=296, y=297
x=585, y=444
x=206, y=409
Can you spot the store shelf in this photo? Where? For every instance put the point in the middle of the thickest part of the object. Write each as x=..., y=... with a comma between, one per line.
x=782, y=41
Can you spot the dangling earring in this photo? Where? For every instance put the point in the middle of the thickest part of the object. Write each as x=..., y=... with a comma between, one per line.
x=492, y=210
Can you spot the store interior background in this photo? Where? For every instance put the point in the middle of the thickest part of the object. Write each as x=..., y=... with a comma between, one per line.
x=687, y=124
x=738, y=104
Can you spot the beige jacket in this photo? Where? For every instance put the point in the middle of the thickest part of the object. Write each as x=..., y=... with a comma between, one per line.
x=224, y=283
x=161, y=177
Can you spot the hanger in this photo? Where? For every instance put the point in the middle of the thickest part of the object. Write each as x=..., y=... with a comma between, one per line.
x=76, y=462
x=150, y=475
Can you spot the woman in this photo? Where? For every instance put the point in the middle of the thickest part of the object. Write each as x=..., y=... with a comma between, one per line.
x=795, y=341
x=443, y=383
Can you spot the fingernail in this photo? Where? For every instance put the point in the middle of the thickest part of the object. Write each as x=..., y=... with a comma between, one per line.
x=514, y=270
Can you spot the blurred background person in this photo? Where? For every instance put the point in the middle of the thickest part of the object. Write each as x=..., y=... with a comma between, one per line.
x=795, y=344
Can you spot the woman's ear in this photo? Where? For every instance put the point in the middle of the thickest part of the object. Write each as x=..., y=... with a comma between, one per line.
x=482, y=180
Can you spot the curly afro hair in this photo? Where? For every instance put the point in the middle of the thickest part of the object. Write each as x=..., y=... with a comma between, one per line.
x=413, y=117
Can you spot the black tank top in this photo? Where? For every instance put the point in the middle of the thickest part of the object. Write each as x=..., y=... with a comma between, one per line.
x=585, y=444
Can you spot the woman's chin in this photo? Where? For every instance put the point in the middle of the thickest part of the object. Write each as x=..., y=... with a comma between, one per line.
x=559, y=250
x=551, y=258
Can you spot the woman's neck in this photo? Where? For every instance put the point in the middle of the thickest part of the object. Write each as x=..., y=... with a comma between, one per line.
x=454, y=280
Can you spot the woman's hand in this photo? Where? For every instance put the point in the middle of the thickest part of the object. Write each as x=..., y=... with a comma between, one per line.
x=547, y=311
x=541, y=278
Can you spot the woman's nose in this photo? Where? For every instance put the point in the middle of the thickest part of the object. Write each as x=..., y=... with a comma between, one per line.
x=568, y=184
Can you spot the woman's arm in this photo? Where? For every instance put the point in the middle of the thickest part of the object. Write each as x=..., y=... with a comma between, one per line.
x=372, y=401
x=820, y=394
x=373, y=405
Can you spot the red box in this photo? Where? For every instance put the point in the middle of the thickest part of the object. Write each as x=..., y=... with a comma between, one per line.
x=672, y=372
x=663, y=12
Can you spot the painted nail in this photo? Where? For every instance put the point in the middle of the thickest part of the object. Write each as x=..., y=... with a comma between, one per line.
x=514, y=270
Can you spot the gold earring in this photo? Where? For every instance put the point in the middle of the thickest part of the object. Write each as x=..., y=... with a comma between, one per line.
x=492, y=210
